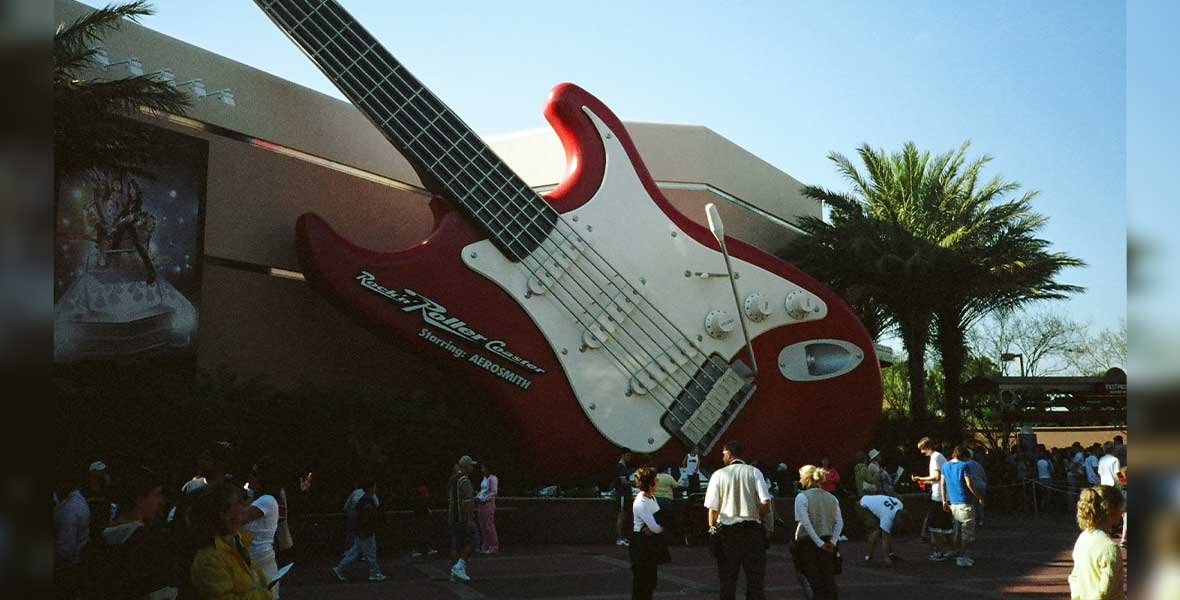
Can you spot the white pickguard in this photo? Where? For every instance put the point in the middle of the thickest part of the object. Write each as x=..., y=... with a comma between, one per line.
x=629, y=230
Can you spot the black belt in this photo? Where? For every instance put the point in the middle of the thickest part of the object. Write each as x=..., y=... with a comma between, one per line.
x=742, y=524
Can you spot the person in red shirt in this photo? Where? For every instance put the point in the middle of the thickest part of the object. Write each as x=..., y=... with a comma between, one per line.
x=833, y=478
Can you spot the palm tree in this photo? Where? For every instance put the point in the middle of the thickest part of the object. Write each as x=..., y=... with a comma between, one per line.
x=1001, y=265
x=91, y=116
x=926, y=242
x=881, y=243
x=876, y=264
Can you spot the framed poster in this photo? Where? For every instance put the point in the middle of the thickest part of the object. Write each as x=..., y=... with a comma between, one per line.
x=127, y=257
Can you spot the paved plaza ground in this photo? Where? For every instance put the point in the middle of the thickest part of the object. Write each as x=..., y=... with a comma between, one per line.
x=1016, y=557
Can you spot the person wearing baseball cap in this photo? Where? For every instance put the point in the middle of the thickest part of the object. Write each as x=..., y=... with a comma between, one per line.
x=83, y=509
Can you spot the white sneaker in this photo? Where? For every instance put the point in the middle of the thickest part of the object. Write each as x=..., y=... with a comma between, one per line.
x=937, y=556
x=962, y=561
x=459, y=573
x=416, y=554
x=338, y=574
x=622, y=542
x=377, y=577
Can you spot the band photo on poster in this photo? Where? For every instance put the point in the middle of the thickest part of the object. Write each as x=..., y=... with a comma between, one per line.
x=126, y=257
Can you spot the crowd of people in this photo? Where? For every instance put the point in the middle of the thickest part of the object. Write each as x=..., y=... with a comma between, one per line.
x=1052, y=478
x=115, y=536
x=118, y=535
x=739, y=504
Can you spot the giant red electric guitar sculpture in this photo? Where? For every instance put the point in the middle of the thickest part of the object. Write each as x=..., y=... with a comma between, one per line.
x=594, y=317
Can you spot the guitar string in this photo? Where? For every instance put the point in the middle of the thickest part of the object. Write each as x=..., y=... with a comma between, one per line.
x=559, y=222
x=345, y=72
x=407, y=101
x=664, y=386
x=727, y=411
x=364, y=100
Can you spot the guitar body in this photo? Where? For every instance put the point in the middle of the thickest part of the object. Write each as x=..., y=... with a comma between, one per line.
x=572, y=403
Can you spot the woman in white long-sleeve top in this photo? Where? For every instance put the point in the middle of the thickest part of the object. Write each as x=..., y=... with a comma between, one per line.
x=820, y=523
x=648, y=547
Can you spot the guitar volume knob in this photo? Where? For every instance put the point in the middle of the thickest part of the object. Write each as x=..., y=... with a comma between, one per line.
x=801, y=305
x=719, y=323
x=757, y=306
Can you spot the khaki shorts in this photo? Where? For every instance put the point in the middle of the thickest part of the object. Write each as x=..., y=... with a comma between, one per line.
x=964, y=516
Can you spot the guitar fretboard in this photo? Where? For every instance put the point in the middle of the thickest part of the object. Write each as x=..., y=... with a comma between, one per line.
x=449, y=156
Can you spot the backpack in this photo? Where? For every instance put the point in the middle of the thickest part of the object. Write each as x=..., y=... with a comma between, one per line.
x=369, y=518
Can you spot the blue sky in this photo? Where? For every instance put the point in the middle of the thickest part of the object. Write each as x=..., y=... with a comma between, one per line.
x=1041, y=87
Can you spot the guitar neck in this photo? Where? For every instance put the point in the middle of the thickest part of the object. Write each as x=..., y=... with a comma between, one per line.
x=451, y=158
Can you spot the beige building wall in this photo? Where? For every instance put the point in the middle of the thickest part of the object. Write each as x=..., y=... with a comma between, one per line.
x=284, y=150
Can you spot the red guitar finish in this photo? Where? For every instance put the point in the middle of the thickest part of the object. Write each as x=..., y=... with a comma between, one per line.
x=791, y=421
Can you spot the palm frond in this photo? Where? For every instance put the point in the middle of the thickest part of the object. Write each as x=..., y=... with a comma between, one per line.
x=73, y=43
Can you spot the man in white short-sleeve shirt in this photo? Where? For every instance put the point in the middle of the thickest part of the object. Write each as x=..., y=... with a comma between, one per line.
x=938, y=521
x=1108, y=467
x=738, y=500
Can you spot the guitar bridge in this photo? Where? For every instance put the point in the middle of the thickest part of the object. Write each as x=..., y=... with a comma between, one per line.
x=704, y=410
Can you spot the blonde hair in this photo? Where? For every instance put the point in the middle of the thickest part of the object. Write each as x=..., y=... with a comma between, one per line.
x=810, y=475
x=1097, y=504
x=924, y=443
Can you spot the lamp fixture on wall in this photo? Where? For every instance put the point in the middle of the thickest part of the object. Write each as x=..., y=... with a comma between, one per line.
x=163, y=75
x=132, y=65
x=196, y=86
x=226, y=96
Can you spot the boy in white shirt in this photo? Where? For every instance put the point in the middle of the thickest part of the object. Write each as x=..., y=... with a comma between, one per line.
x=938, y=521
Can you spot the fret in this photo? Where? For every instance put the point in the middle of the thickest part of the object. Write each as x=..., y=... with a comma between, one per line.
x=389, y=119
x=309, y=15
x=424, y=128
x=525, y=226
x=354, y=61
x=331, y=41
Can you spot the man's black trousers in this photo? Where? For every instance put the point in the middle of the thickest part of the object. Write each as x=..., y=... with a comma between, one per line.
x=741, y=547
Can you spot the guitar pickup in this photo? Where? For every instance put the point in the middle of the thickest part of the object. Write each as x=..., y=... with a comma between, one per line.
x=613, y=313
x=552, y=260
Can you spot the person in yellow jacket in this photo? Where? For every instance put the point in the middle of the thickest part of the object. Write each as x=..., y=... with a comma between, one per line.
x=1097, y=562
x=222, y=569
